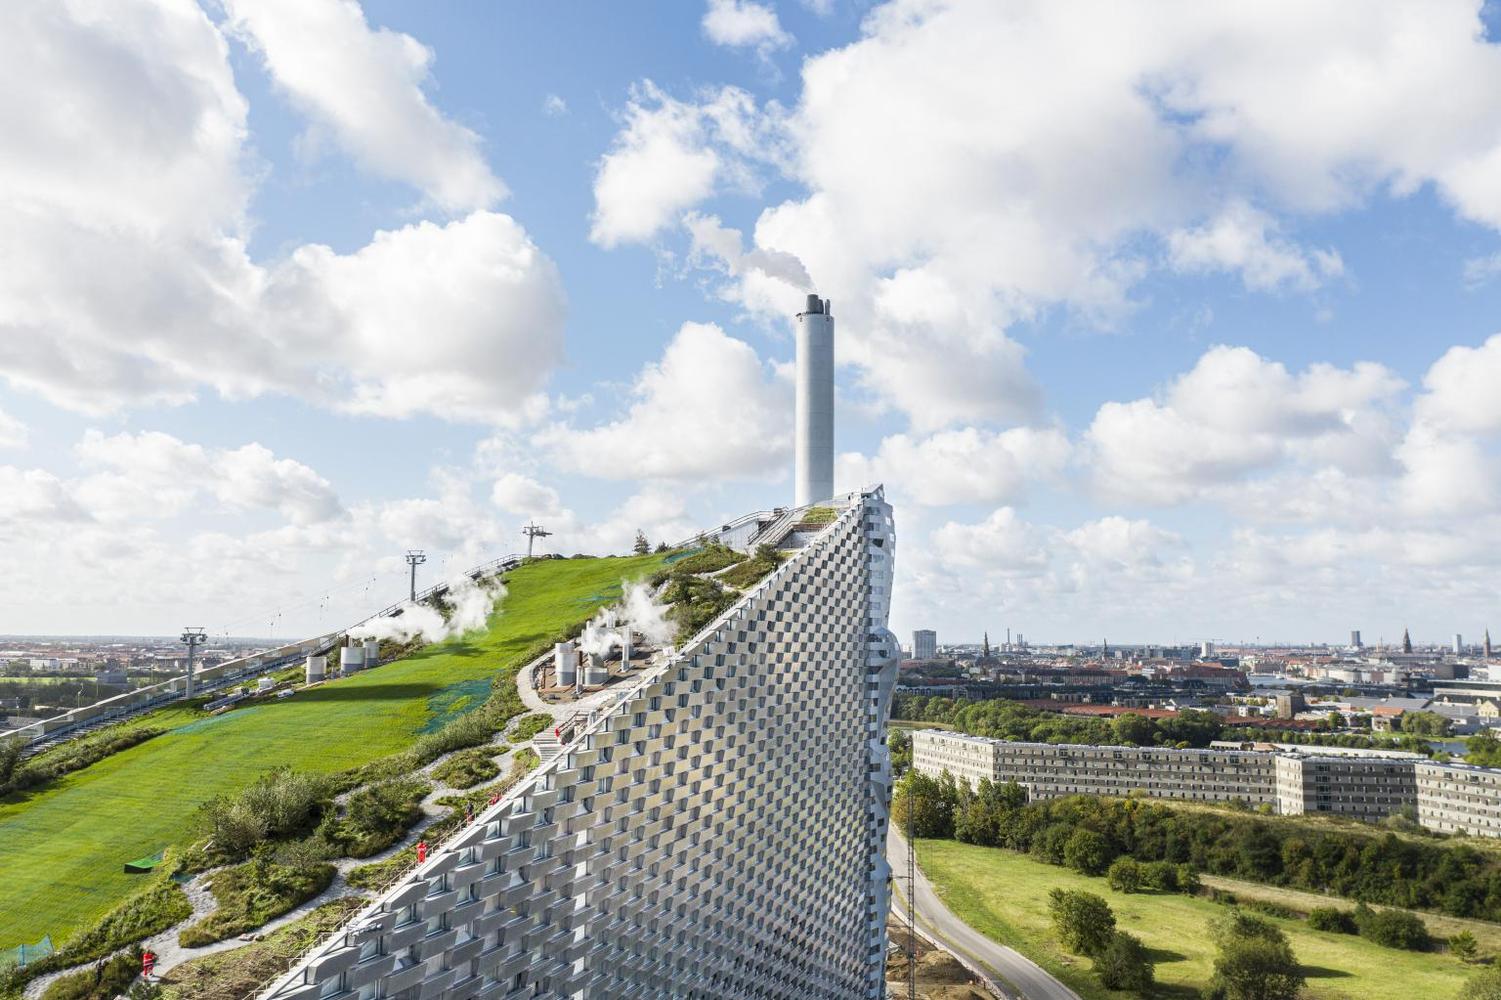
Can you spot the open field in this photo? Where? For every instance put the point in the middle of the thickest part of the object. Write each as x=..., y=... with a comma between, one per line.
x=1004, y=895
x=65, y=846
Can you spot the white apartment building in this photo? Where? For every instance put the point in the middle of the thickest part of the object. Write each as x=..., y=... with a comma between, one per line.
x=1459, y=798
x=718, y=834
x=924, y=644
x=1448, y=797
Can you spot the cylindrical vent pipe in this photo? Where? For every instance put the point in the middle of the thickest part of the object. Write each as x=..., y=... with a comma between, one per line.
x=625, y=649
x=597, y=674
x=813, y=446
x=317, y=668
x=372, y=652
x=565, y=665
x=352, y=657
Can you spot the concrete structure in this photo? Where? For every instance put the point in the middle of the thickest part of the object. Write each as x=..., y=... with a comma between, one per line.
x=372, y=653
x=1459, y=643
x=1355, y=642
x=565, y=664
x=718, y=832
x=924, y=644
x=317, y=667
x=813, y=445
x=1459, y=798
x=351, y=657
x=1368, y=786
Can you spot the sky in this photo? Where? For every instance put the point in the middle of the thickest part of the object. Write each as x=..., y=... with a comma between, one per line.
x=1158, y=321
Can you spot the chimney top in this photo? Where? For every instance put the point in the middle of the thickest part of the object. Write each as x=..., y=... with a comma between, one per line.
x=815, y=304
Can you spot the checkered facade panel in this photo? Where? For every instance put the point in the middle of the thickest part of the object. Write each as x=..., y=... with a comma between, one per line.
x=719, y=834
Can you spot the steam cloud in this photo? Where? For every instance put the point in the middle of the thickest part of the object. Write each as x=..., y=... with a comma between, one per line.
x=471, y=603
x=638, y=609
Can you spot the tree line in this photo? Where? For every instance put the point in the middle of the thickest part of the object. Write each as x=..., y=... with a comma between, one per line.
x=1089, y=833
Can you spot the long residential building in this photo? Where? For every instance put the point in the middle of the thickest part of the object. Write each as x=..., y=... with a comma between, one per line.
x=1448, y=797
x=718, y=833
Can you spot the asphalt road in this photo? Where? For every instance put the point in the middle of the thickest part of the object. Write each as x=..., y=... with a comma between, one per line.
x=1014, y=969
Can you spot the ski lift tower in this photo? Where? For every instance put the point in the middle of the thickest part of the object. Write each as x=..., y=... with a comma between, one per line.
x=532, y=533
x=415, y=558
x=193, y=637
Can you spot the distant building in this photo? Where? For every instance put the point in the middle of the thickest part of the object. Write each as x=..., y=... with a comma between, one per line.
x=924, y=644
x=1459, y=644
x=1406, y=641
x=1355, y=642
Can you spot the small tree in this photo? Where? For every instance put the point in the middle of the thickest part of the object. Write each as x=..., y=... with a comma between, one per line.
x=1082, y=920
x=1123, y=964
x=1255, y=962
x=1160, y=875
x=1331, y=919
x=1125, y=875
x=1188, y=879
x=1133, y=730
x=1463, y=947
x=642, y=546
x=1087, y=852
x=1392, y=928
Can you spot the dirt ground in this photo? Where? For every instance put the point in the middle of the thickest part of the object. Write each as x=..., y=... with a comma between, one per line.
x=939, y=976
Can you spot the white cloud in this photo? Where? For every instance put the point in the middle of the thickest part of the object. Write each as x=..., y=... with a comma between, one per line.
x=366, y=88
x=518, y=494
x=714, y=244
x=125, y=278
x=1236, y=413
x=554, y=106
x=1003, y=542
x=744, y=24
x=13, y=433
x=34, y=495
x=156, y=474
x=1147, y=136
x=960, y=466
x=1244, y=240
x=671, y=155
x=1461, y=389
x=709, y=409
x=1479, y=271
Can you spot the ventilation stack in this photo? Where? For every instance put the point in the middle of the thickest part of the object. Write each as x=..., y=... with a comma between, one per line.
x=317, y=668
x=352, y=658
x=372, y=653
x=565, y=665
x=814, y=444
x=625, y=649
x=596, y=674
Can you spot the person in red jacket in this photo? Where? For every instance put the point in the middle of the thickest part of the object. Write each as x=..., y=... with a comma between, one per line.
x=421, y=852
x=148, y=963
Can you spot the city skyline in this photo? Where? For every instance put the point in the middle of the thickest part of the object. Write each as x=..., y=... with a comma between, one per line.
x=1169, y=348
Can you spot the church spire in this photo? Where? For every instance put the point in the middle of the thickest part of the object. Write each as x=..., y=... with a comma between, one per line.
x=1406, y=641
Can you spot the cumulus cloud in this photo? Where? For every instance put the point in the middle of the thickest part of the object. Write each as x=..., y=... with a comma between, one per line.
x=960, y=466
x=125, y=277
x=1158, y=137
x=152, y=473
x=713, y=244
x=365, y=88
x=708, y=409
x=1236, y=413
x=1243, y=240
x=744, y=24
x=554, y=106
x=671, y=155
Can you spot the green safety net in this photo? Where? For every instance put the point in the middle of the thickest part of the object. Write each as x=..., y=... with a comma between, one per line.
x=26, y=953
x=142, y=865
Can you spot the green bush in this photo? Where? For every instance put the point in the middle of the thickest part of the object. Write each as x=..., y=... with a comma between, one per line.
x=1392, y=928
x=531, y=725
x=375, y=817
x=17, y=775
x=1083, y=921
x=1463, y=946
x=1254, y=961
x=467, y=768
x=1160, y=875
x=712, y=559
x=1484, y=985
x=278, y=804
x=101, y=981
x=1124, y=875
x=253, y=893
x=1123, y=964
x=748, y=573
x=1332, y=919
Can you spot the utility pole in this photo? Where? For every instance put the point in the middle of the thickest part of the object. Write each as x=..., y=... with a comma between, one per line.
x=532, y=533
x=193, y=637
x=415, y=558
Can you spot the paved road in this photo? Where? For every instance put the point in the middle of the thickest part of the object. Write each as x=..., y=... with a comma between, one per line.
x=1025, y=976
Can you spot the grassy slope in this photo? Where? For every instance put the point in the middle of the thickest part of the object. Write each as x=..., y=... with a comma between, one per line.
x=1004, y=895
x=64, y=847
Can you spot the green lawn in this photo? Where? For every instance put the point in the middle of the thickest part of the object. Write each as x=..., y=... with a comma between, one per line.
x=1004, y=895
x=62, y=849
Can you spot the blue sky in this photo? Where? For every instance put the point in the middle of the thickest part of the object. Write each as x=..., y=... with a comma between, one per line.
x=1158, y=321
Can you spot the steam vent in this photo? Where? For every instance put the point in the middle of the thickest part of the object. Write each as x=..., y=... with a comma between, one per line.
x=716, y=833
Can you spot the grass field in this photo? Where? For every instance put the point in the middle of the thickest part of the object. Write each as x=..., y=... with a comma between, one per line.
x=62, y=849
x=1004, y=895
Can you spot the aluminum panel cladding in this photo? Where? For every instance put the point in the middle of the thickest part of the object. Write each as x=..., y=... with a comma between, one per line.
x=814, y=442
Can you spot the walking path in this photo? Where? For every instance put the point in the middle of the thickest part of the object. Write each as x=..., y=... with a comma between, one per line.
x=996, y=961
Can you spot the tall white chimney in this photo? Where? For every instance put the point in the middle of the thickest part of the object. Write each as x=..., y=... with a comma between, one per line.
x=814, y=446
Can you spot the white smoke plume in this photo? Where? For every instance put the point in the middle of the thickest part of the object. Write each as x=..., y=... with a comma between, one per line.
x=639, y=610
x=471, y=605
x=715, y=244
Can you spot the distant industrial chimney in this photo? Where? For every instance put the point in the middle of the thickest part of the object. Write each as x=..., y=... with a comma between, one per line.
x=814, y=447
